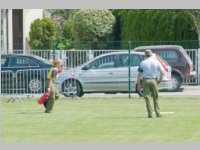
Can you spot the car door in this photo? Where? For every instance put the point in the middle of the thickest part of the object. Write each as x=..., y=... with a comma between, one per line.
x=123, y=76
x=6, y=76
x=99, y=75
x=23, y=70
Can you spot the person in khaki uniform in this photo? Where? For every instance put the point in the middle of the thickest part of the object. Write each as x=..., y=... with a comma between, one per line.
x=50, y=88
x=147, y=73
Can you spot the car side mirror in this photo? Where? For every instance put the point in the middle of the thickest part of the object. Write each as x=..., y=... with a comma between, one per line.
x=85, y=68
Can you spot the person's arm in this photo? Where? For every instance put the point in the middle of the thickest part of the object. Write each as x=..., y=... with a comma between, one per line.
x=139, y=76
x=161, y=77
x=161, y=70
x=50, y=85
x=54, y=73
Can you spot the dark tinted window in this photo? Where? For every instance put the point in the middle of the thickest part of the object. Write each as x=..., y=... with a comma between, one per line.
x=168, y=55
x=103, y=62
x=22, y=62
x=4, y=61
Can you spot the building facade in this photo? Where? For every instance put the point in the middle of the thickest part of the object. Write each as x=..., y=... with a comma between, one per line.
x=15, y=27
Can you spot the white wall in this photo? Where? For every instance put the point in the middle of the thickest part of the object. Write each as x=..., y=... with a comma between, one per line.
x=3, y=31
x=29, y=15
x=10, y=31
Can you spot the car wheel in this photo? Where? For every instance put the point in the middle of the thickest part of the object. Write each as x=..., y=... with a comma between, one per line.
x=176, y=83
x=35, y=85
x=72, y=88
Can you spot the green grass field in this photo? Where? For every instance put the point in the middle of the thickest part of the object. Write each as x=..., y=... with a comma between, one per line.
x=103, y=119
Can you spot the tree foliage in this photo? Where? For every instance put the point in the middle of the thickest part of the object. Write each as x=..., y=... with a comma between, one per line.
x=64, y=14
x=155, y=25
x=42, y=34
x=93, y=24
x=67, y=37
x=194, y=14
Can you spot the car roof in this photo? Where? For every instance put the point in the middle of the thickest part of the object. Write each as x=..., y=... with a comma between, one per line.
x=40, y=59
x=115, y=53
x=158, y=46
x=29, y=55
x=121, y=52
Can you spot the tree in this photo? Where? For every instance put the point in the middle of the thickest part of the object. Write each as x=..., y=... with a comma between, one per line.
x=65, y=40
x=146, y=27
x=195, y=17
x=60, y=17
x=65, y=14
x=63, y=20
x=93, y=24
x=42, y=34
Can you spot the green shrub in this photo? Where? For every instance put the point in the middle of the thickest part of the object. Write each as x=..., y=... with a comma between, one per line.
x=42, y=34
x=93, y=24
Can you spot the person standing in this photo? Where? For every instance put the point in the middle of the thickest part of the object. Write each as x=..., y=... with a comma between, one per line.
x=147, y=73
x=50, y=88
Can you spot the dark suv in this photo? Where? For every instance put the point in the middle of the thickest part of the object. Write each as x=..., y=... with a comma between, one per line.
x=176, y=57
x=23, y=73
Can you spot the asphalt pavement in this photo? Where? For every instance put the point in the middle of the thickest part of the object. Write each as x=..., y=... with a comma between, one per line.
x=188, y=90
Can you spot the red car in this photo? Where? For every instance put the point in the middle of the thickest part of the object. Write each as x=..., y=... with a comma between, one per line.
x=176, y=57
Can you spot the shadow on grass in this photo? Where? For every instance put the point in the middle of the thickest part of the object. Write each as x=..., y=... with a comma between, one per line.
x=123, y=117
x=28, y=113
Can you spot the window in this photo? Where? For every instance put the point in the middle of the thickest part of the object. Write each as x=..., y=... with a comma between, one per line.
x=4, y=61
x=22, y=62
x=104, y=62
x=123, y=60
x=168, y=55
x=135, y=60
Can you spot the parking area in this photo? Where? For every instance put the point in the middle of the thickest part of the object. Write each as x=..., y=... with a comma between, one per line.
x=84, y=71
x=186, y=90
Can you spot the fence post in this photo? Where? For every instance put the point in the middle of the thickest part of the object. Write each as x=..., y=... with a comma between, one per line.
x=198, y=64
x=0, y=57
x=54, y=51
x=129, y=69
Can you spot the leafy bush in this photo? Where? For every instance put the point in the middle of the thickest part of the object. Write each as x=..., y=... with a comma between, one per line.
x=42, y=34
x=93, y=24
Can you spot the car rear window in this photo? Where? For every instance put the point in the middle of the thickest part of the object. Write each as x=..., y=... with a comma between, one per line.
x=43, y=60
x=163, y=63
x=22, y=62
x=168, y=55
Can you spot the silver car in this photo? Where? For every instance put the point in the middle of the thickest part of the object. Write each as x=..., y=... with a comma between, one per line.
x=107, y=73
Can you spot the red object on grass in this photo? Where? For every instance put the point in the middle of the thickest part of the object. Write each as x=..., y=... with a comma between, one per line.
x=59, y=70
x=43, y=98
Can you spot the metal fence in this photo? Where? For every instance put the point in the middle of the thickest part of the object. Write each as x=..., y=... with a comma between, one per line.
x=32, y=81
x=193, y=79
x=73, y=58
x=29, y=81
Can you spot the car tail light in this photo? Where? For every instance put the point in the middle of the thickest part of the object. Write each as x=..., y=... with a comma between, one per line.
x=189, y=69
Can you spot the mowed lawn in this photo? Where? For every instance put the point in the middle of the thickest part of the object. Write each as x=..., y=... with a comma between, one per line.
x=101, y=119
